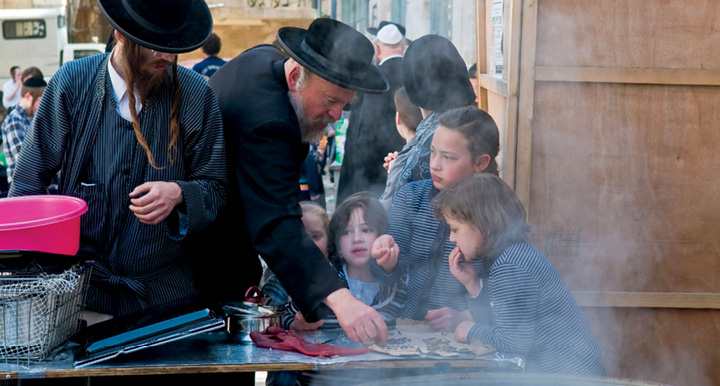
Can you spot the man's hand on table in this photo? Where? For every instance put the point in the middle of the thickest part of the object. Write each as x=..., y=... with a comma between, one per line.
x=359, y=321
x=158, y=201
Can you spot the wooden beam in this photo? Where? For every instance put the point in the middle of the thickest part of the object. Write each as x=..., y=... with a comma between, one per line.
x=627, y=75
x=493, y=84
x=526, y=103
x=511, y=67
x=691, y=300
x=481, y=42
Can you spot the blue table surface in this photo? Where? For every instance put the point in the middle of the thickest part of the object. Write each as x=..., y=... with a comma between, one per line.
x=214, y=352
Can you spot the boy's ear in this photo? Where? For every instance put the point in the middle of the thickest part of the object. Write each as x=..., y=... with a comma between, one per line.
x=482, y=162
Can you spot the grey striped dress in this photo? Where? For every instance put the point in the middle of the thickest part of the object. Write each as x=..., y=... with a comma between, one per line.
x=536, y=316
x=77, y=131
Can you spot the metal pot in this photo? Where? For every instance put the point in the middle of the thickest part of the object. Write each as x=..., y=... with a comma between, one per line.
x=240, y=324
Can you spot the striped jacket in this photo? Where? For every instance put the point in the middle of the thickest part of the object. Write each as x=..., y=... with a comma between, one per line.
x=536, y=316
x=75, y=108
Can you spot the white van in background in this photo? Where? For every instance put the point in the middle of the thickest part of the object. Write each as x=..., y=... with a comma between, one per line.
x=38, y=37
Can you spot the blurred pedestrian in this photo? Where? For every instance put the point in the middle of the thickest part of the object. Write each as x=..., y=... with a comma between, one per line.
x=18, y=122
x=372, y=132
x=11, y=88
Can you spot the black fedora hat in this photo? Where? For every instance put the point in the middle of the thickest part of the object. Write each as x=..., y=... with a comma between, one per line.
x=374, y=30
x=335, y=52
x=172, y=26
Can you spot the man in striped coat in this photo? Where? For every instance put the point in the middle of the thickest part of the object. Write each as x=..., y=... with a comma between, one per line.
x=140, y=139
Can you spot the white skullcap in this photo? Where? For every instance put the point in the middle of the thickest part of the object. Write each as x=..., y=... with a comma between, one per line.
x=390, y=34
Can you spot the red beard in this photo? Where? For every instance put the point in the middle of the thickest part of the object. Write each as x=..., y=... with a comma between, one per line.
x=149, y=79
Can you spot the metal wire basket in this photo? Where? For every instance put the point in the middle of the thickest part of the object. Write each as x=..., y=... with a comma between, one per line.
x=39, y=311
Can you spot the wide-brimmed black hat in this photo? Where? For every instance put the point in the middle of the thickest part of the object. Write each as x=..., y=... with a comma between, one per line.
x=435, y=76
x=172, y=26
x=335, y=52
x=374, y=30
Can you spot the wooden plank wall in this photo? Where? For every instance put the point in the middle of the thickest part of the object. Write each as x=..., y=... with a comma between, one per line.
x=620, y=113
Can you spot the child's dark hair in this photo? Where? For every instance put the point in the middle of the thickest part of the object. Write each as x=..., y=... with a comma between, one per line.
x=487, y=203
x=212, y=45
x=479, y=129
x=374, y=214
x=410, y=114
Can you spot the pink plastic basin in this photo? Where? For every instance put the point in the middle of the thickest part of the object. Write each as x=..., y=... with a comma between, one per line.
x=41, y=223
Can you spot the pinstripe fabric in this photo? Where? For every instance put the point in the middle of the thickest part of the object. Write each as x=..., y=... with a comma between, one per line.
x=536, y=316
x=77, y=130
x=413, y=226
x=389, y=303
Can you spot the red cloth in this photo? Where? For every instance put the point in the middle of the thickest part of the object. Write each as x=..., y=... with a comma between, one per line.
x=279, y=339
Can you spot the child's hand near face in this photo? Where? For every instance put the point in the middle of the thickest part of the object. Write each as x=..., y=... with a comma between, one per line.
x=301, y=325
x=385, y=252
x=389, y=160
x=462, y=330
x=464, y=272
x=446, y=319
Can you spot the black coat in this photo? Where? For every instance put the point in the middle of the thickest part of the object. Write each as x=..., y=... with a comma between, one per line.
x=265, y=153
x=371, y=136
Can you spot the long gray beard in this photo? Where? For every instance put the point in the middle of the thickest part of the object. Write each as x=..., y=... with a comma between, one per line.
x=311, y=130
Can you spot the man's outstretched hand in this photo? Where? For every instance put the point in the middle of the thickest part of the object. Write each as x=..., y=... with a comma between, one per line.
x=359, y=321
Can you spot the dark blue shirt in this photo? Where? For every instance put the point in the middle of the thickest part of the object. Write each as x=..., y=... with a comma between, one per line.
x=208, y=66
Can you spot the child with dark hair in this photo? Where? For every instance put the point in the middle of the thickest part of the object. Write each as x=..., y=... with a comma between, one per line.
x=466, y=142
x=534, y=313
x=407, y=119
x=354, y=226
x=211, y=62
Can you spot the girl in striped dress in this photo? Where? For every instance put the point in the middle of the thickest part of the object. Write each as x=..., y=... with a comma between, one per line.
x=533, y=312
x=466, y=142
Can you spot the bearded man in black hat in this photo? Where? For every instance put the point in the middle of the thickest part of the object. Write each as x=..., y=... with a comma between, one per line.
x=273, y=107
x=140, y=139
